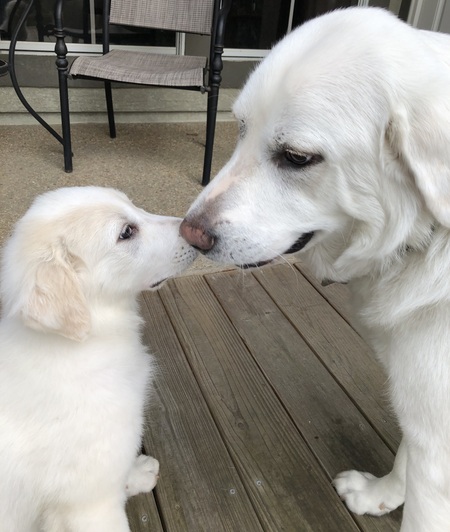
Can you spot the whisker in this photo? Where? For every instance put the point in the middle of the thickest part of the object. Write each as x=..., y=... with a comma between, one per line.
x=285, y=260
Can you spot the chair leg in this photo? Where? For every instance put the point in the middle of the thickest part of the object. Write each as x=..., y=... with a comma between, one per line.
x=62, y=67
x=214, y=81
x=211, y=117
x=65, y=121
x=110, y=108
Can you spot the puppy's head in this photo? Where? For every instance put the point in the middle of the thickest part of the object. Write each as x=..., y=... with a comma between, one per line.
x=343, y=149
x=81, y=248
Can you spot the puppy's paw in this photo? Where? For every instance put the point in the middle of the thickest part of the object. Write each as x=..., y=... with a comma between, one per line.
x=143, y=475
x=365, y=494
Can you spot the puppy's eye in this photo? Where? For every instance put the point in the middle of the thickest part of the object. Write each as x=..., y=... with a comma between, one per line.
x=127, y=232
x=298, y=159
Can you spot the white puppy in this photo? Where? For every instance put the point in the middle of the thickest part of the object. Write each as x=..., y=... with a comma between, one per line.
x=344, y=153
x=73, y=371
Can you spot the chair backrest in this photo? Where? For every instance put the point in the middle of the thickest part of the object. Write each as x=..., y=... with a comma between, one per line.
x=191, y=16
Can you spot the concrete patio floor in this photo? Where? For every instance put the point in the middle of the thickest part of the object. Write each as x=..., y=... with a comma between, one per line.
x=157, y=165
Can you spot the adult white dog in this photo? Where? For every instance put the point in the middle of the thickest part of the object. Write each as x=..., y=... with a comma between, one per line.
x=344, y=152
x=73, y=371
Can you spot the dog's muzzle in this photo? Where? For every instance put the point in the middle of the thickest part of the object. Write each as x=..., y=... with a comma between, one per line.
x=199, y=238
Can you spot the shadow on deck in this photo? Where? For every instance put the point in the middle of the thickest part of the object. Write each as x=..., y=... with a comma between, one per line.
x=264, y=393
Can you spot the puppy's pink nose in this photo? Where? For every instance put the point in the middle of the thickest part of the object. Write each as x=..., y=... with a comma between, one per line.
x=196, y=236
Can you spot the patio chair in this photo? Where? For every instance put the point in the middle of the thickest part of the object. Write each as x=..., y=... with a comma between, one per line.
x=205, y=17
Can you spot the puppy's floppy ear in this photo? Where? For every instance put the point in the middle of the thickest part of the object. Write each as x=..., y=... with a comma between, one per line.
x=56, y=302
x=420, y=135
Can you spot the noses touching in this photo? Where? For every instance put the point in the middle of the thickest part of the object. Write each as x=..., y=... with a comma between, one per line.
x=196, y=235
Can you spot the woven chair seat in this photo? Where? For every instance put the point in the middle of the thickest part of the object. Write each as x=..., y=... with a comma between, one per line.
x=143, y=68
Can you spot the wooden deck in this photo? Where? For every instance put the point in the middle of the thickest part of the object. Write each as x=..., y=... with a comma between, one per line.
x=264, y=392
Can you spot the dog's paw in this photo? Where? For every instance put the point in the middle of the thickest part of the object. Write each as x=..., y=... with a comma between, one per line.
x=143, y=475
x=365, y=494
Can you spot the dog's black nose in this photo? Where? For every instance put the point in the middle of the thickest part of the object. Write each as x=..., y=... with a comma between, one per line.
x=196, y=235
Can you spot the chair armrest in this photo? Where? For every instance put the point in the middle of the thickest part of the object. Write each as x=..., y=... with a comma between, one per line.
x=59, y=33
x=223, y=8
x=58, y=16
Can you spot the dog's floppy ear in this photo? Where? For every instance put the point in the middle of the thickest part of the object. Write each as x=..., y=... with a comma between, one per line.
x=420, y=136
x=56, y=302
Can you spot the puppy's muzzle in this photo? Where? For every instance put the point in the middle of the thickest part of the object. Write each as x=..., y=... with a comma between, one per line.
x=196, y=235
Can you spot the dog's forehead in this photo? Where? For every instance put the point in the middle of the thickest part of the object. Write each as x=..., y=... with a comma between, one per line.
x=330, y=61
x=311, y=111
x=308, y=120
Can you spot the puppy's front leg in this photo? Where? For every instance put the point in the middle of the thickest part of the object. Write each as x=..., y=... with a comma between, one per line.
x=365, y=494
x=143, y=475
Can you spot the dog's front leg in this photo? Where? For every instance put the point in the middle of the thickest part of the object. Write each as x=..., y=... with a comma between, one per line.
x=366, y=494
x=427, y=505
x=143, y=475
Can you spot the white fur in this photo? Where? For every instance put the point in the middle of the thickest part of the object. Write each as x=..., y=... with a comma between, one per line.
x=368, y=97
x=73, y=373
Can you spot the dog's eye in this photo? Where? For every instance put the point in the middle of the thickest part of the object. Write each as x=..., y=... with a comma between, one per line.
x=242, y=129
x=297, y=159
x=127, y=232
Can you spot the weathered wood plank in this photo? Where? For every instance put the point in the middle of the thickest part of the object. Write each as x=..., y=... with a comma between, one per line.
x=333, y=427
x=288, y=488
x=143, y=514
x=198, y=488
x=336, y=294
x=340, y=349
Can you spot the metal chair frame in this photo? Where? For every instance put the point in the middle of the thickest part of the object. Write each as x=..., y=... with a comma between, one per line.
x=214, y=77
x=10, y=65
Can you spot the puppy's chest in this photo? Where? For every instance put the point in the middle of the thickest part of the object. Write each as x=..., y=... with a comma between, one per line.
x=118, y=375
x=89, y=385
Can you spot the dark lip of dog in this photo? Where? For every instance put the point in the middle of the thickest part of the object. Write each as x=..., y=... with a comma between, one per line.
x=254, y=264
x=299, y=244
x=158, y=283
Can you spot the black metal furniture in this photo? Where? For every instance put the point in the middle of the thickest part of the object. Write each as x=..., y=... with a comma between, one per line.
x=9, y=66
x=175, y=71
x=4, y=68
